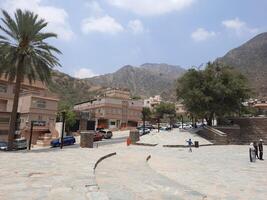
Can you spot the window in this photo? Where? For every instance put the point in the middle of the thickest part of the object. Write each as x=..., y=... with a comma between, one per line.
x=4, y=120
x=40, y=104
x=3, y=88
x=112, y=123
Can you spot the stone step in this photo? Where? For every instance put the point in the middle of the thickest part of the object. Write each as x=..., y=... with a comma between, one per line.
x=43, y=143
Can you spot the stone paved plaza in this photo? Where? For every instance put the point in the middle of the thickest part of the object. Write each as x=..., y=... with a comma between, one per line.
x=213, y=172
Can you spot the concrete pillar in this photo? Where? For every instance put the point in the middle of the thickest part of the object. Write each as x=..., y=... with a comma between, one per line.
x=87, y=139
x=134, y=136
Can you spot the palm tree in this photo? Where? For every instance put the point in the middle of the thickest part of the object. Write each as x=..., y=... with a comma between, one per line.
x=24, y=54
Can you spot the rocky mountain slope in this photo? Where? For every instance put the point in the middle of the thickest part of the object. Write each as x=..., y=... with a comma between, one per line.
x=251, y=59
x=144, y=81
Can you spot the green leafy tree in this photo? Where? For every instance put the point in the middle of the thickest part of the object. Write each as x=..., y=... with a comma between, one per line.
x=146, y=114
x=215, y=91
x=24, y=54
x=70, y=116
x=165, y=108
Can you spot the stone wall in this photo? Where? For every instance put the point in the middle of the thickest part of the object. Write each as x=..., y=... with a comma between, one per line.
x=233, y=133
x=251, y=129
x=213, y=135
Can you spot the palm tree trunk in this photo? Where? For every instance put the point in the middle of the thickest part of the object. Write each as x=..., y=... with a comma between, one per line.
x=13, y=118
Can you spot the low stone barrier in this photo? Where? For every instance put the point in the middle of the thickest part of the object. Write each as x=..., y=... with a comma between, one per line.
x=103, y=158
x=186, y=146
x=145, y=144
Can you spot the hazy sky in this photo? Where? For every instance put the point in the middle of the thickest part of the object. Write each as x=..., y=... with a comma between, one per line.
x=100, y=36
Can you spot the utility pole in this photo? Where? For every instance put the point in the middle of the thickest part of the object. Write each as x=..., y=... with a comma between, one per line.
x=30, y=141
x=158, y=123
x=63, y=126
x=144, y=122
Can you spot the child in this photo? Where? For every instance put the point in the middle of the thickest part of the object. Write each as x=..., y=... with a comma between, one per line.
x=189, y=144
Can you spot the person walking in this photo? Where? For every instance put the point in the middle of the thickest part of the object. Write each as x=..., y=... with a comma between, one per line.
x=189, y=142
x=261, y=149
x=252, y=155
x=255, y=144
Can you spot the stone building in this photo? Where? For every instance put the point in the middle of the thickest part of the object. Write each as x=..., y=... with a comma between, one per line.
x=36, y=104
x=152, y=102
x=115, y=110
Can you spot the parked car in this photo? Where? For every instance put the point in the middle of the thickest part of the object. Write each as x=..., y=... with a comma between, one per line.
x=150, y=127
x=165, y=128
x=20, y=143
x=3, y=146
x=107, y=134
x=186, y=126
x=67, y=140
x=98, y=136
x=144, y=131
x=177, y=125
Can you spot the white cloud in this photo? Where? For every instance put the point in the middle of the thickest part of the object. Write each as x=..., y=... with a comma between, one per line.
x=238, y=26
x=84, y=73
x=94, y=8
x=57, y=17
x=201, y=35
x=151, y=7
x=136, y=26
x=105, y=24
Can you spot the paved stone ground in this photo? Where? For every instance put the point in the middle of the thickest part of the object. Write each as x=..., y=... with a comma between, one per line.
x=128, y=176
x=49, y=174
x=174, y=137
x=211, y=173
x=218, y=172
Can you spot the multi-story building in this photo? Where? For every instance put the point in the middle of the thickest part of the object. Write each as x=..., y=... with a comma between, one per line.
x=35, y=104
x=180, y=109
x=114, y=111
x=152, y=102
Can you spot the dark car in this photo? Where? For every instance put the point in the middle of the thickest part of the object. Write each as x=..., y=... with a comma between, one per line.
x=20, y=143
x=150, y=127
x=98, y=136
x=107, y=134
x=68, y=140
x=3, y=146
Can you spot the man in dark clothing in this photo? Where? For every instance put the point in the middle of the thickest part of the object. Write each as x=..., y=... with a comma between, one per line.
x=261, y=149
x=256, y=149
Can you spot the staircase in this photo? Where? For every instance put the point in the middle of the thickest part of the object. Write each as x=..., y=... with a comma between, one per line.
x=44, y=139
x=213, y=135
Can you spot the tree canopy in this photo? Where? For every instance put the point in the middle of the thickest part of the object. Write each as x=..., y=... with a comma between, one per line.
x=165, y=108
x=217, y=90
x=146, y=113
x=24, y=54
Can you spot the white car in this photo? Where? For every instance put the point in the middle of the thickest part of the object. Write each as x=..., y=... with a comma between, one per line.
x=144, y=131
x=185, y=126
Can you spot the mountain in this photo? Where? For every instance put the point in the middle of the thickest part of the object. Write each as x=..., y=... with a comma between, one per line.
x=72, y=90
x=251, y=60
x=146, y=80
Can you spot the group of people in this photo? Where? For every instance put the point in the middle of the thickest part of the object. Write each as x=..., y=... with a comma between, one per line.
x=256, y=151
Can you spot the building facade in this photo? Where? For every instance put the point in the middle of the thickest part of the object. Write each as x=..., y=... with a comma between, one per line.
x=152, y=102
x=180, y=109
x=35, y=104
x=114, y=111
